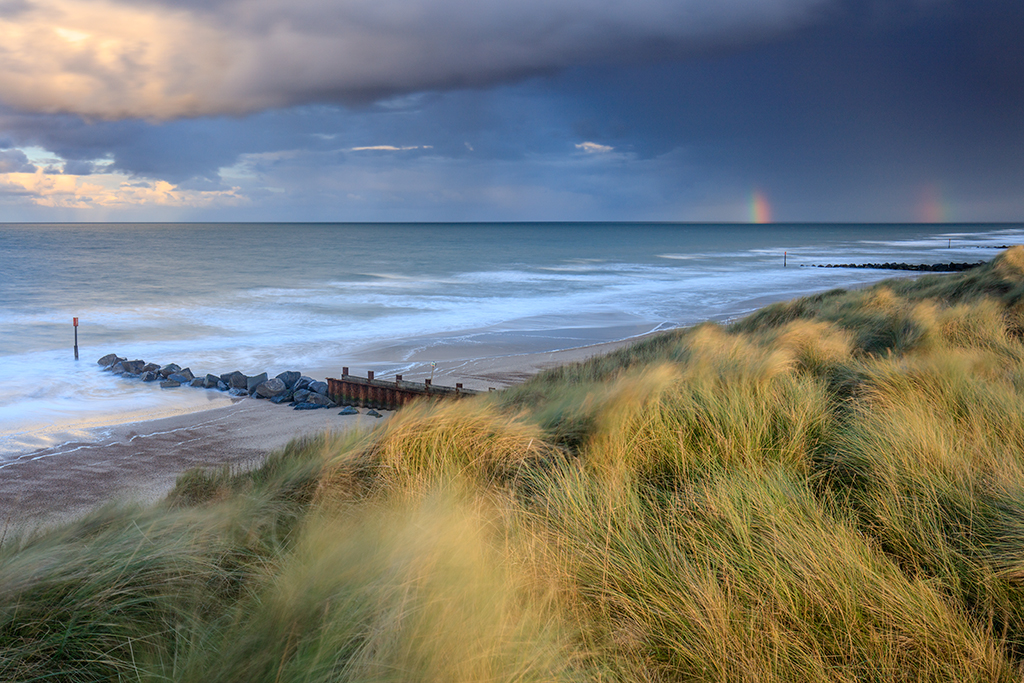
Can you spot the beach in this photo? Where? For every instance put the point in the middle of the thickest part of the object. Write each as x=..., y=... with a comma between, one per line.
x=139, y=462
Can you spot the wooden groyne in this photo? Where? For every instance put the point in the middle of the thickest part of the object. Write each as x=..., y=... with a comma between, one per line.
x=380, y=394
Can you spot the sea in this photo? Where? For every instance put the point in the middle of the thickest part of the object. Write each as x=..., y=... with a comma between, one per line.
x=392, y=298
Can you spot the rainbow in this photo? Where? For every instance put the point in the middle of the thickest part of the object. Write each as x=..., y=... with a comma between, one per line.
x=760, y=210
x=930, y=206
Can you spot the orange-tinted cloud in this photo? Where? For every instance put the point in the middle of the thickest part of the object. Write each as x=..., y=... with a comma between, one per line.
x=106, y=190
x=114, y=59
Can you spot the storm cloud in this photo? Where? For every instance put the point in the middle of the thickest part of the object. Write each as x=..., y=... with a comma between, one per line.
x=162, y=60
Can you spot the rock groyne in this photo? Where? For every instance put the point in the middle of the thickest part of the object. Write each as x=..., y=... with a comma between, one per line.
x=290, y=387
x=951, y=267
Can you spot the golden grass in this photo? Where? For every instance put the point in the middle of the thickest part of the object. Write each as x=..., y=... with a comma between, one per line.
x=829, y=490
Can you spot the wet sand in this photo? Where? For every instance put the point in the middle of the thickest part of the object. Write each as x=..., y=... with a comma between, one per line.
x=140, y=462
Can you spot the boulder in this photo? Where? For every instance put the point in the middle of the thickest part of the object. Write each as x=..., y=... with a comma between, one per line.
x=133, y=367
x=281, y=398
x=252, y=382
x=235, y=380
x=300, y=395
x=187, y=373
x=151, y=367
x=168, y=369
x=319, y=400
x=373, y=413
x=318, y=387
x=150, y=376
x=198, y=382
x=271, y=388
x=307, y=406
x=221, y=386
x=348, y=410
x=109, y=360
x=290, y=378
x=118, y=367
x=169, y=384
x=237, y=391
x=302, y=383
x=179, y=378
x=211, y=381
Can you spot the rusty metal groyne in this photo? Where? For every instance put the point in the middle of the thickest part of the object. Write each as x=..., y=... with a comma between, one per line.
x=386, y=395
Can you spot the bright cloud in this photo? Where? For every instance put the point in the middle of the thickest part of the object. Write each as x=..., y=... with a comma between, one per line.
x=108, y=190
x=594, y=148
x=115, y=59
x=389, y=148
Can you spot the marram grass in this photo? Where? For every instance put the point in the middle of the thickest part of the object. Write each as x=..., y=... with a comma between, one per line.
x=831, y=489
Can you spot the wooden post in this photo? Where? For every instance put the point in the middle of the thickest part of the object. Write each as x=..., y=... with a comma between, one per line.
x=783, y=259
x=369, y=375
x=75, y=322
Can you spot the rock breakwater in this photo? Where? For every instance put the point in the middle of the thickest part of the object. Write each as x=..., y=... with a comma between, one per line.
x=290, y=387
x=951, y=267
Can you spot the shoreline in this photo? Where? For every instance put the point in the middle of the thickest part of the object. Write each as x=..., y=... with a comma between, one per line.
x=140, y=461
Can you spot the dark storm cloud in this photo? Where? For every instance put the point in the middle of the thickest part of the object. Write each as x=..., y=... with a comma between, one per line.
x=110, y=59
x=864, y=110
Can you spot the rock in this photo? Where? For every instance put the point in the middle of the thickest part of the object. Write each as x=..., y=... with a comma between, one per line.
x=133, y=366
x=198, y=382
x=373, y=413
x=169, y=384
x=109, y=360
x=307, y=406
x=237, y=391
x=187, y=373
x=348, y=410
x=235, y=380
x=211, y=381
x=281, y=398
x=319, y=400
x=302, y=383
x=221, y=386
x=252, y=382
x=289, y=378
x=300, y=395
x=318, y=387
x=150, y=376
x=168, y=369
x=117, y=368
x=179, y=378
x=271, y=388
x=151, y=367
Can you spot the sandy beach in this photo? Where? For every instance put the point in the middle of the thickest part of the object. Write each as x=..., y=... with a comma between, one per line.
x=140, y=461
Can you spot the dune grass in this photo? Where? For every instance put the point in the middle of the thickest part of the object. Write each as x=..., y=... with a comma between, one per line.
x=831, y=489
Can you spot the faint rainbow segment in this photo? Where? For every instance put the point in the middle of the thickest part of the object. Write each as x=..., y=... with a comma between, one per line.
x=930, y=206
x=760, y=210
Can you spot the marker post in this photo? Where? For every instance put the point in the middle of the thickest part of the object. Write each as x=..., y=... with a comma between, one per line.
x=75, y=321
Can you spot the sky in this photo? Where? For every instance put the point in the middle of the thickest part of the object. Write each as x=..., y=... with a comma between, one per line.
x=512, y=110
